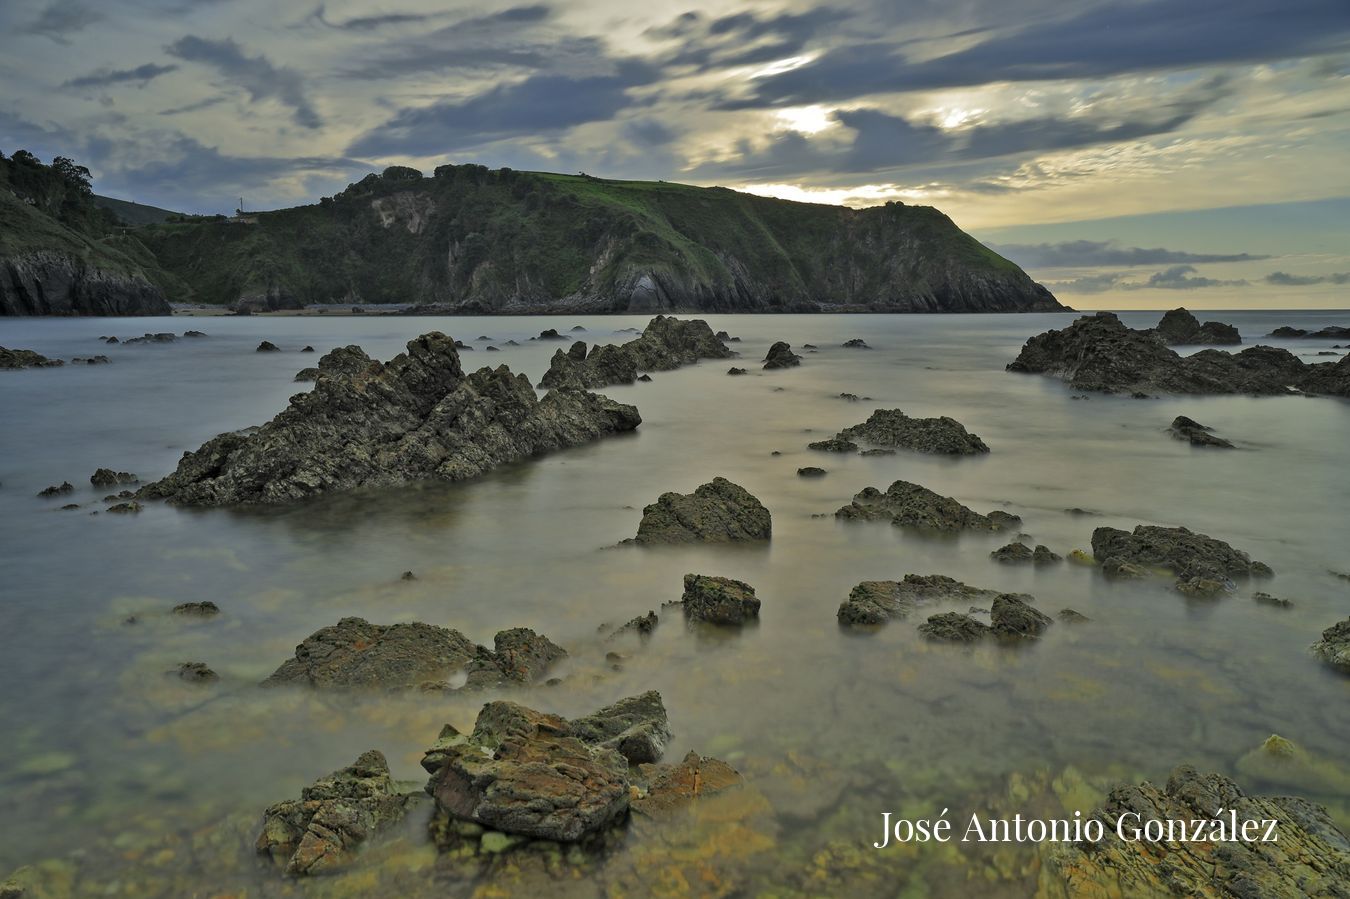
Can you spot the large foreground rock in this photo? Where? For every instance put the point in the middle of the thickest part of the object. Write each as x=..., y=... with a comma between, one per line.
x=667, y=343
x=876, y=602
x=892, y=429
x=357, y=654
x=1180, y=327
x=912, y=506
x=1098, y=352
x=369, y=424
x=320, y=831
x=1334, y=647
x=637, y=727
x=716, y=512
x=1310, y=858
x=1197, y=560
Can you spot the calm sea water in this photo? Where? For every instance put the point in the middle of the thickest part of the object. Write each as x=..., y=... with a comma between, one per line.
x=128, y=782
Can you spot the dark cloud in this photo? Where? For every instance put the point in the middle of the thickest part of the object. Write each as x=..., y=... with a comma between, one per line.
x=255, y=74
x=193, y=107
x=1284, y=279
x=1085, y=253
x=1102, y=41
x=1178, y=277
x=1184, y=277
x=743, y=38
x=1088, y=283
x=370, y=23
x=62, y=18
x=505, y=39
x=142, y=75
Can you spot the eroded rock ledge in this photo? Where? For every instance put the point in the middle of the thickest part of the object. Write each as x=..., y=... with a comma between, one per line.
x=717, y=512
x=372, y=424
x=893, y=429
x=667, y=343
x=911, y=506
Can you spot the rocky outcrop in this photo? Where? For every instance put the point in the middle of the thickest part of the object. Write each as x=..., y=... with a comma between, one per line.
x=953, y=627
x=1100, y=353
x=1310, y=858
x=1180, y=327
x=669, y=788
x=106, y=477
x=716, y=512
x=1019, y=553
x=13, y=360
x=876, y=602
x=372, y=424
x=1202, y=564
x=1196, y=434
x=892, y=428
x=780, y=355
x=1012, y=616
x=1330, y=332
x=636, y=727
x=323, y=829
x=667, y=343
x=53, y=283
x=355, y=654
x=912, y=506
x=1334, y=647
x=718, y=600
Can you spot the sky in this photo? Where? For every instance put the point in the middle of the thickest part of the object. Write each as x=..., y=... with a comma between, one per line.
x=1127, y=153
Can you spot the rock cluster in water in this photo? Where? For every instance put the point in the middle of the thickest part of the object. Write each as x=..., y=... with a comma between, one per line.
x=1011, y=617
x=666, y=344
x=876, y=602
x=372, y=424
x=892, y=428
x=1180, y=327
x=1098, y=352
x=1203, y=565
x=14, y=360
x=716, y=512
x=912, y=506
x=1331, y=332
x=1018, y=553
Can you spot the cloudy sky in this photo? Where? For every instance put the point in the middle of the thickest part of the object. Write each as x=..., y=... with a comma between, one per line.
x=1129, y=153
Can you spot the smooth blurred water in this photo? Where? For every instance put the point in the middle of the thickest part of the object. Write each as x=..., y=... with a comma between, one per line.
x=99, y=749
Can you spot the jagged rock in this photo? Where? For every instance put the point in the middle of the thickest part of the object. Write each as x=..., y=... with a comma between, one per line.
x=673, y=787
x=642, y=625
x=1181, y=327
x=322, y=830
x=14, y=360
x=636, y=727
x=876, y=602
x=1195, y=559
x=857, y=343
x=128, y=508
x=307, y=374
x=737, y=371
x=1310, y=858
x=1098, y=352
x=834, y=445
x=1071, y=616
x=201, y=334
x=60, y=489
x=810, y=471
x=54, y=282
x=953, y=627
x=526, y=772
x=893, y=428
x=1266, y=599
x=1334, y=647
x=158, y=337
x=716, y=512
x=666, y=344
x=910, y=505
x=1184, y=428
x=1012, y=554
x=196, y=673
x=106, y=477
x=1013, y=617
x=205, y=609
x=718, y=600
x=268, y=346
x=1042, y=555
x=519, y=656
x=1331, y=332
x=780, y=355
x=94, y=360
x=367, y=424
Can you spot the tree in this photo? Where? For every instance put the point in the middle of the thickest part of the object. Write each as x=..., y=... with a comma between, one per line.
x=77, y=176
x=23, y=157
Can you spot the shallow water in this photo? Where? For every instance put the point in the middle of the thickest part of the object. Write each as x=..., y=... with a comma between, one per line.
x=158, y=785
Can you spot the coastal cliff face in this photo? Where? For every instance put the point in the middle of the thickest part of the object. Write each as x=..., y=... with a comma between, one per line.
x=472, y=240
x=52, y=283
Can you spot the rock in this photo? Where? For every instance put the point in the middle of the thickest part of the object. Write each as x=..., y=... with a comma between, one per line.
x=1181, y=327
x=70, y=507
x=1120, y=570
x=953, y=627
x=1098, y=352
x=737, y=371
x=14, y=360
x=718, y=600
x=1331, y=332
x=576, y=328
x=876, y=602
x=891, y=428
x=1310, y=858
x=194, y=334
x=645, y=379
x=57, y=490
x=857, y=343
x=461, y=345
x=811, y=471
x=780, y=355
x=877, y=452
x=1184, y=428
x=834, y=445
x=1012, y=554
x=1283, y=763
x=1195, y=559
x=196, y=673
x=716, y=512
x=94, y=360
x=642, y=625
x=206, y=609
x=673, y=787
x=1013, y=617
x=128, y=508
x=160, y=337
x=1070, y=616
x=268, y=346
x=307, y=374
x=667, y=343
x=1266, y=599
x=520, y=656
x=550, y=334
x=106, y=477
x=367, y=424
x=322, y=830
x=637, y=728
x=910, y=505
x=1334, y=647
x=493, y=349
x=1042, y=555
x=851, y=397
x=1286, y=331
x=407, y=576
x=526, y=772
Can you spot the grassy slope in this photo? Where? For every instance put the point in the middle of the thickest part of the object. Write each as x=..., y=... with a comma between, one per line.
x=134, y=214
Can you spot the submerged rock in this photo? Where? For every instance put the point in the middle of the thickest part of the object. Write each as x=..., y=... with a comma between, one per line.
x=1181, y=327
x=857, y=343
x=716, y=512
x=1202, y=564
x=1019, y=553
x=953, y=627
x=672, y=787
x=737, y=371
x=912, y=506
x=106, y=477
x=206, y=609
x=368, y=424
x=1310, y=858
x=718, y=600
x=876, y=602
x=268, y=346
x=1184, y=428
x=322, y=830
x=780, y=355
x=834, y=445
x=891, y=428
x=1334, y=647
x=1013, y=617
x=667, y=343
x=14, y=360
x=196, y=673
x=811, y=471
x=60, y=489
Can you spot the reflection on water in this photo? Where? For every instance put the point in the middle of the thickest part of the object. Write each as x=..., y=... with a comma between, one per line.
x=160, y=784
